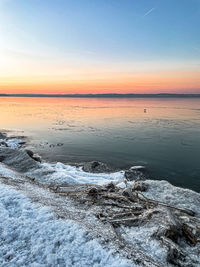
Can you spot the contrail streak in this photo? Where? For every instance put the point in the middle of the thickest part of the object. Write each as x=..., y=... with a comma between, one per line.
x=148, y=12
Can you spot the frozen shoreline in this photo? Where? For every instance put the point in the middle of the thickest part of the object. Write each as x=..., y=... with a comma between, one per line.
x=17, y=163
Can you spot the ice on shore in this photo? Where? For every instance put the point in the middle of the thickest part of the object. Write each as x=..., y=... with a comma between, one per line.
x=12, y=143
x=31, y=236
x=137, y=167
x=7, y=172
x=60, y=173
x=173, y=195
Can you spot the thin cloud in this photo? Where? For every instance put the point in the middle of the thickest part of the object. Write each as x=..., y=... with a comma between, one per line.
x=149, y=11
x=196, y=48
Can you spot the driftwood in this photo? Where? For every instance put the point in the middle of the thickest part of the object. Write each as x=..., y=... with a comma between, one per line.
x=190, y=233
x=116, y=207
x=28, y=185
x=187, y=211
x=129, y=207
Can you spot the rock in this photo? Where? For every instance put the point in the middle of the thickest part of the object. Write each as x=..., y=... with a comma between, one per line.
x=60, y=144
x=96, y=167
x=37, y=158
x=29, y=152
x=17, y=159
x=2, y=136
x=3, y=143
x=22, y=142
x=140, y=186
x=132, y=175
x=2, y=158
x=127, y=193
x=110, y=187
x=93, y=191
x=138, y=168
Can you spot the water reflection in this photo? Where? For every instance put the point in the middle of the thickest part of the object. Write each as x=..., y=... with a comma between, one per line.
x=161, y=133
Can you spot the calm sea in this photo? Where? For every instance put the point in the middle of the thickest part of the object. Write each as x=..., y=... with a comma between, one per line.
x=162, y=134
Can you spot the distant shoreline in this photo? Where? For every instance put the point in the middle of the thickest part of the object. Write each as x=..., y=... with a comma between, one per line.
x=165, y=95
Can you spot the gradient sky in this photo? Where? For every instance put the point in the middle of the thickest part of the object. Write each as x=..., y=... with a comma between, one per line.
x=99, y=46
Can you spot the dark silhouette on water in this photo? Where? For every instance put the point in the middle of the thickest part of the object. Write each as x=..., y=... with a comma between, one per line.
x=109, y=95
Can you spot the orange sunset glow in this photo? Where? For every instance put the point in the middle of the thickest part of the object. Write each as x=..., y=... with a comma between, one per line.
x=81, y=55
x=122, y=83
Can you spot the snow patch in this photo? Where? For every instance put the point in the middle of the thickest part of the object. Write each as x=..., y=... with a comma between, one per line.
x=141, y=238
x=165, y=192
x=12, y=143
x=137, y=168
x=60, y=173
x=6, y=172
x=31, y=236
x=121, y=185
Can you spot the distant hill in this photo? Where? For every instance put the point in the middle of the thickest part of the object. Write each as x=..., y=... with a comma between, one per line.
x=104, y=95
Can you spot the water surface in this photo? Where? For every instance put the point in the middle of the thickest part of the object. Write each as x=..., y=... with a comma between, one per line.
x=161, y=133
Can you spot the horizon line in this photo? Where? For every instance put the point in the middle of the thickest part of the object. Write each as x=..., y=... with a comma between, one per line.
x=111, y=95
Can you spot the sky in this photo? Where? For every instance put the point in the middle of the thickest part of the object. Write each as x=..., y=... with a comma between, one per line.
x=99, y=46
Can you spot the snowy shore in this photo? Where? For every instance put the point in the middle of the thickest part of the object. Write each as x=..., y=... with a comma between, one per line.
x=42, y=228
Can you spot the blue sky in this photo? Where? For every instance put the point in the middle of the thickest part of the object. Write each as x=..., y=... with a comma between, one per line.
x=108, y=32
